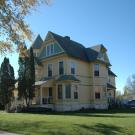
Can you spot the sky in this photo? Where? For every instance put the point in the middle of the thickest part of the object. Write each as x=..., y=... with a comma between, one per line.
x=91, y=22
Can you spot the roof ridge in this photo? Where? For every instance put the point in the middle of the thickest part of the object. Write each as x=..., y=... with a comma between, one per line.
x=67, y=39
x=38, y=37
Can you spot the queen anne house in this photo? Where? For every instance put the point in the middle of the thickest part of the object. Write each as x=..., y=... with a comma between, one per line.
x=70, y=76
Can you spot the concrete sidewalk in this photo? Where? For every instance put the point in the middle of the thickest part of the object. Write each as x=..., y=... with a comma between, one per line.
x=7, y=133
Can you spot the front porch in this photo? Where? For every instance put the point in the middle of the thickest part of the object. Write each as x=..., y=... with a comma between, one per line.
x=44, y=94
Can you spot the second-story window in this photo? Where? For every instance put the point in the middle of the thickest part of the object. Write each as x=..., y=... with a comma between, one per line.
x=72, y=68
x=61, y=68
x=49, y=50
x=49, y=70
x=96, y=69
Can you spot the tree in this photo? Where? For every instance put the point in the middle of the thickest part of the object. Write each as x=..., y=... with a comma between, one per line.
x=26, y=78
x=118, y=95
x=130, y=86
x=13, y=29
x=7, y=81
x=21, y=78
x=32, y=74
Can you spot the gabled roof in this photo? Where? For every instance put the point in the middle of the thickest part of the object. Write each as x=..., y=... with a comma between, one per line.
x=77, y=50
x=71, y=47
x=111, y=73
x=37, y=43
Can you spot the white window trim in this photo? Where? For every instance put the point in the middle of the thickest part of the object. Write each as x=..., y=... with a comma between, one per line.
x=47, y=69
x=63, y=89
x=94, y=69
x=63, y=66
x=49, y=50
x=71, y=66
x=70, y=90
x=76, y=90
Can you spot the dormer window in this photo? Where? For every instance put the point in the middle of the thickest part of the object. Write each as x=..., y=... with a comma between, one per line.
x=96, y=69
x=49, y=50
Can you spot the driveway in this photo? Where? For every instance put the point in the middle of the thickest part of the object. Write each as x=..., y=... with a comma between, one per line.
x=6, y=133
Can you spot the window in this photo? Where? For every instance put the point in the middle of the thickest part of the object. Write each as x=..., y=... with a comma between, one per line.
x=61, y=68
x=76, y=92
x=59, y=91
x=49, y=70
x=49, y=50
x=97, y=95
x=67, y=91
x=72, y=67
x=52, y=49
x=96, y=70
x=50, y=91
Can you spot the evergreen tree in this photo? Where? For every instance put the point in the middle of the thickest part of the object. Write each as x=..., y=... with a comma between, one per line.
x=32, y=74
x=7, y=81
x=26, y=78
x=21, y=79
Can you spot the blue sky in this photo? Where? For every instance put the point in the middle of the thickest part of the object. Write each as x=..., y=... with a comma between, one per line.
x=90, y=22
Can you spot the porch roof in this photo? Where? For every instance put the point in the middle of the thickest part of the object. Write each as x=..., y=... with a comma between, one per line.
x=67, y=78
x=38, y=83
x=47, y=83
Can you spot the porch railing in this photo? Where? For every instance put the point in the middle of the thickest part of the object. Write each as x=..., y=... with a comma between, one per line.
x=45, y=100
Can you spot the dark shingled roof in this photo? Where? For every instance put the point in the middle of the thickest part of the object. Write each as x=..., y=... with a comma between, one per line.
x=91, y=54
x=71, y=47
x=67, y=78
x=77, y=50
x=37, y=43
x=111, y=73
x=109, y=86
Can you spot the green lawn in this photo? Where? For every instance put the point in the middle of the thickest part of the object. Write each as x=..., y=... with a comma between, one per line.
x=77, y=123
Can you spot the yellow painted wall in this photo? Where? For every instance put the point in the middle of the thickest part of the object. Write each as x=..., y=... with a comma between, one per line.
x=84, y=72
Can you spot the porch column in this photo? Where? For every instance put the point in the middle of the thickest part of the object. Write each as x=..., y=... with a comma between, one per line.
x=41, y=95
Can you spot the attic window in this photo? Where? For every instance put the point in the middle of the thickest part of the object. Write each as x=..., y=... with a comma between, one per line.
x=49, y=50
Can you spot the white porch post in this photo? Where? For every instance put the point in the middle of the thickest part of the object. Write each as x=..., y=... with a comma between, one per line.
x=41, y=95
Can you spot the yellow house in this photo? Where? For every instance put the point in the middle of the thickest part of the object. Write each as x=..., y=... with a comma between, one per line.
x=71, y=77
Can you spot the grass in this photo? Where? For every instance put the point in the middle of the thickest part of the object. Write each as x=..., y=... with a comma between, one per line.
x=114, y=122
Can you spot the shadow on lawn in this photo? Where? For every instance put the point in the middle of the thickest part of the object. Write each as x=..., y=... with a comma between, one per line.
x=84, y=114
x=114, y=113
x=102, y=129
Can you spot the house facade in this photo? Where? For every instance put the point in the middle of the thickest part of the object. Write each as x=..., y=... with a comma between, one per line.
x=70, y=76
